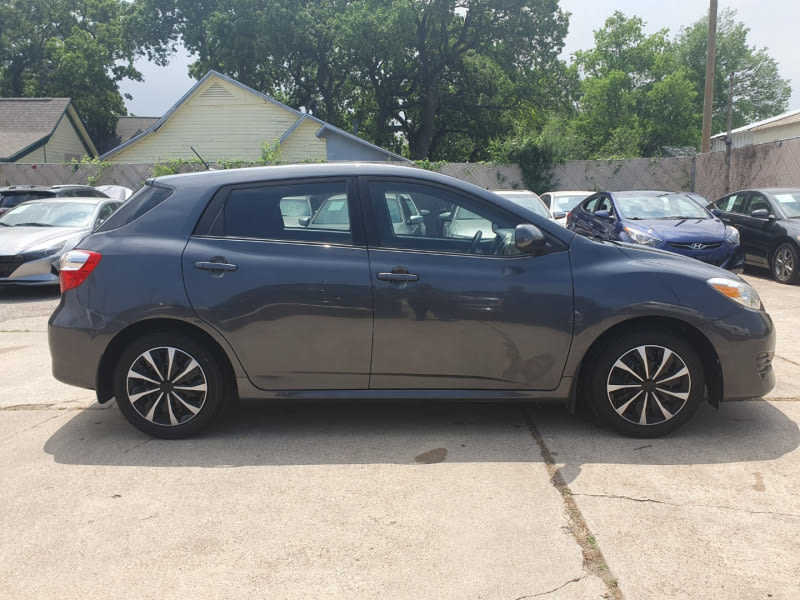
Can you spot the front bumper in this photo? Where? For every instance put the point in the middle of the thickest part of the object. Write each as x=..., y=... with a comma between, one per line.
x=18, y=270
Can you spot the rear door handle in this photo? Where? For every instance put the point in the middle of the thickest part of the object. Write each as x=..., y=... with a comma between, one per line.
x=398, y=274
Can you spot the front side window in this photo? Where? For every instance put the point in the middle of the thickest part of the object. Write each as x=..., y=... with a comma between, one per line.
x=422, y=217
x=733, y=203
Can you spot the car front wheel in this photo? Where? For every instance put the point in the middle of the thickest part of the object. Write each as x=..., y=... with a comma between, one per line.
x=647, y=384
x=168, y=385
x=785, y=263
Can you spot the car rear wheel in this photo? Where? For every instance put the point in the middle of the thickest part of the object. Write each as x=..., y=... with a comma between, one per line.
x=785, y=263
x=647, y=384
x=168, y=385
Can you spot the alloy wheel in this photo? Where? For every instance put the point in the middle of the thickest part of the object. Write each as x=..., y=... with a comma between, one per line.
x=783, y=265
x=166, y=386
x=648, y=385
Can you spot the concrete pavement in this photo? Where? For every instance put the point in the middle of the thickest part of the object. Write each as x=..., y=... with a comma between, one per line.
x=394, y=501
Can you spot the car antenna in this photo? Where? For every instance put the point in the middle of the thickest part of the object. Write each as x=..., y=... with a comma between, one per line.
x=197, y=154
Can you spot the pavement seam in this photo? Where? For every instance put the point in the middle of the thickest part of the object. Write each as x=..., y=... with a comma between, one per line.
x=593, y=560
x=676, y=504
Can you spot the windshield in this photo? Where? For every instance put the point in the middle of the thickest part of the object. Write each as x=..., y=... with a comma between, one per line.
x=790, y=203
x=333, y=212
x=665, y=206
x=47, y=214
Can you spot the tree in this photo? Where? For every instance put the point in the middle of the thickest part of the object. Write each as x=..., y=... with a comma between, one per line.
x=82, y=50
x=436, y=77
x=758, y=93
x=636, y=97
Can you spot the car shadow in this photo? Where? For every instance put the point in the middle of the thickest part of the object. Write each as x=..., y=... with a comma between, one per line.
x=39, y=293
x=273, y=434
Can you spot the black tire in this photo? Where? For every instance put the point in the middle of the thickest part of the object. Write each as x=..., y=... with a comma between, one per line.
x=646, y=384
x=169, y=385
x=784, y=265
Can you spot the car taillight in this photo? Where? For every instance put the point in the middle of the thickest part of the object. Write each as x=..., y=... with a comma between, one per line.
x=75, y=266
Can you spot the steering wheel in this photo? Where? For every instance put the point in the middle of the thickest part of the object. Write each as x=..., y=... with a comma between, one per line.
x=476, y=239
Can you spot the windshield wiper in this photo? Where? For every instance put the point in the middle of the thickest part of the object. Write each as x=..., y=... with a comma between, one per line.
x=32, y=225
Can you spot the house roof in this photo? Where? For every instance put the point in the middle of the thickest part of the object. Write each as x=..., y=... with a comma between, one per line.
x=786, y=118
x=325, y=128
x=28, y=123
x=128, y=127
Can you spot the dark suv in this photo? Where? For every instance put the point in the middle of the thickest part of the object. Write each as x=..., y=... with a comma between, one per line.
x=196, y=291
x=12, y=195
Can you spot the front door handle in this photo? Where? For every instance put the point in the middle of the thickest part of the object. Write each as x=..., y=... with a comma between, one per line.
x=399, y=274
x=215, y=264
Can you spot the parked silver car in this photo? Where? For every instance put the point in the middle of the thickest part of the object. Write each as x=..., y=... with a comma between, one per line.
x=34, y=234
x=562, y=202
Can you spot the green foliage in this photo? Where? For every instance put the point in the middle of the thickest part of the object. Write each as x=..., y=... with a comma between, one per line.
x=435, y=79
x=534, y=154
x=79, y=50
x=271, y=152
x=101, y=167
x=636, y=98
x=758, y=93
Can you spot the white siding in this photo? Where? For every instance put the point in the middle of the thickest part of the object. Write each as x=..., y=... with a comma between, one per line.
x=303, y=144
x=64, y=145
x=220, y=120
x=777, y=133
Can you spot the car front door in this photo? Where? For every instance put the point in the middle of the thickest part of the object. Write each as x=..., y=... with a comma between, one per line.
x=463, y=312
x=760, y=231
x=294, y=301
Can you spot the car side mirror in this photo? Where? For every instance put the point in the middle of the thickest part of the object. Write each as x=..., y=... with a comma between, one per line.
x=304, y=221
x=444, y=217
x=760, y=213
x=716, y=212
x=424, y=212
x=415, y=219
x=603, y=214
x=529, y=238
x=559, y=214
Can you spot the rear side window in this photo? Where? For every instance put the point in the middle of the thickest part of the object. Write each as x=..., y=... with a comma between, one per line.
x=302, y=211
x=146, y=199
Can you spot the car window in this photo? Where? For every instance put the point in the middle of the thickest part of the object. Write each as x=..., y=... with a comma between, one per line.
x=143, y=201
x=662, y=206
x=105, y=212
x=590, y=204
x=789, y=203
x=758, y=202
x=442, y=220
x=284, y=212
x=733, y=203
x=565, y=203
x=603, y=203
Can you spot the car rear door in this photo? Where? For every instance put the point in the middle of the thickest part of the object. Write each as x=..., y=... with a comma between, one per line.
x=294, y=302
x=453, y=313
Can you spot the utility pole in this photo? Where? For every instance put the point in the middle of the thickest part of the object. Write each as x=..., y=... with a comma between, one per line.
x=728, y=137
x=708, y=97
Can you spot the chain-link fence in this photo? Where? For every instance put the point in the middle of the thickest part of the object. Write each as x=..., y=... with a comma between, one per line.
x=712, y=175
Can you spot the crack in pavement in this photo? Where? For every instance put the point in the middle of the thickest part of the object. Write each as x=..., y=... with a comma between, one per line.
x=651, y=501
x=34, y=426
x=554, y=590
x=593, y=560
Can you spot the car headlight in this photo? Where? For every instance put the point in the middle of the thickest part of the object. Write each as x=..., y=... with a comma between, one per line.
x=738, y=291
x=43, y=251
x=731, y=235
x=642, y=237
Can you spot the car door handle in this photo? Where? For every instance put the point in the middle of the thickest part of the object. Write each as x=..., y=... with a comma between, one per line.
x=215, y=266
x=398, y=274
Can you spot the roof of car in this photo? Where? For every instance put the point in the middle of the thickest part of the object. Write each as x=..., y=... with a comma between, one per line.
x=333, y=169
x=68, y=200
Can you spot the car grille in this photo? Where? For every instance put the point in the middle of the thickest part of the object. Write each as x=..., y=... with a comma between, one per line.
x=9, y=264
x=697, y=246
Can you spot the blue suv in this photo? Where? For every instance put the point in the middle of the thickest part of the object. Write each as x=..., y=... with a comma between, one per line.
x=669, y=221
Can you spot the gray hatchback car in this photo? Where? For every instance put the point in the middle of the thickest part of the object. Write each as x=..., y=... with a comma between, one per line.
x=195, y=292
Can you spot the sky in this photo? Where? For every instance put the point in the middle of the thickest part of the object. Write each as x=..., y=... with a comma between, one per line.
x=772, y=23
